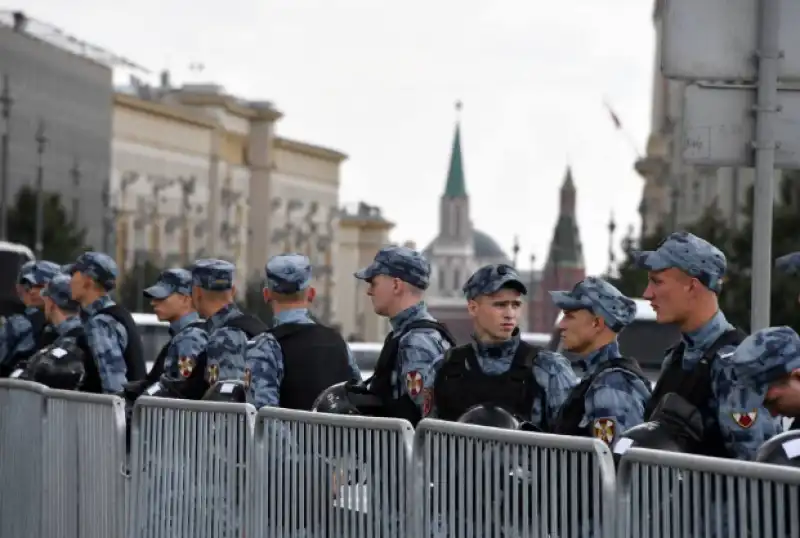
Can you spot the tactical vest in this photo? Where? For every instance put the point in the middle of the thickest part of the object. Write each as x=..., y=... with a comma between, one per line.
x=695, y=387
x=461, y=384
x=574, y=408
x=314, y=358
x=136, y=369
x=380, y=383
x=196, y=385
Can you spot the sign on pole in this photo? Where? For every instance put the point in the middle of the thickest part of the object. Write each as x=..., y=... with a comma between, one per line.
x=718, y=39
x=738, y=42
x=719, y=126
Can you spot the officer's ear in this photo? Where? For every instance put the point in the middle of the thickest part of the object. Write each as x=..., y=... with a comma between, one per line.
x=311, y=294
x=794, y=375
x=472, y=306
x=267, y=295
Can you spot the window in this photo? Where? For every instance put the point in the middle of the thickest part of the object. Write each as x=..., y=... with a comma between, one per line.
x=457, y=283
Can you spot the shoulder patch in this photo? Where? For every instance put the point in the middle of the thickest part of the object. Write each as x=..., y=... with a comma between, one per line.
x=213, y=373
x=604, y=429
x=427, y=402
x=413, y=383
x=186, y=366
x=248, y=378
x=745, y=420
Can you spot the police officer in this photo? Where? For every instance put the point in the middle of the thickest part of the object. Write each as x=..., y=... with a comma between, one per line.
x=62, y=363
x=171, y=299
x=228, y=327
x=614, y=391
x=684, y=280
x=397, y=279
x=111, y=333
x=24, y=334
x=767, y=363
x=290, y=365
x=497, y=367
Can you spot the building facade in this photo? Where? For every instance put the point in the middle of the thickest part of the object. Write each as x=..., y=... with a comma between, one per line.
x=65, y=94
x=160, y=188
x=676, y=195
x=362, y=232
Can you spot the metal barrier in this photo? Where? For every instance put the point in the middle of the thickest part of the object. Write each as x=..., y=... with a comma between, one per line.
x=188, y=465
x=666, y=494
x=474, y=481
x=323, y=475
x=22, y=408
x=219, y=470
x=84, y=465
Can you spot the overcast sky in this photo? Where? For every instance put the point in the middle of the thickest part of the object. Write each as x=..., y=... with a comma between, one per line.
x=378, y=80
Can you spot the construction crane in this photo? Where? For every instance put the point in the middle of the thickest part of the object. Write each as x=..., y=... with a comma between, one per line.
x=19, y=22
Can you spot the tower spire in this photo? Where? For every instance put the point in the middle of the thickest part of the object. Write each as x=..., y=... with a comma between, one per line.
x=456, y=186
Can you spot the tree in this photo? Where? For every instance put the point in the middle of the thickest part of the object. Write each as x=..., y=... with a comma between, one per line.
x=134, y=282
x=62, y=241
x=785, y=288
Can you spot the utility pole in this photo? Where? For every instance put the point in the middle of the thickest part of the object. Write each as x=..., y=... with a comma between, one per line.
x=5, y=112
x=75, y=174
x=41, y=144
x=612, y=226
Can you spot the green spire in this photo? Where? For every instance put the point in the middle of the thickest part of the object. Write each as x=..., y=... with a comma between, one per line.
x=456, y=187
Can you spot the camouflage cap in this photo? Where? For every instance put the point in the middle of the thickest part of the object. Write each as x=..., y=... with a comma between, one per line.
x=789, y=263
x=171, y=281
x=490, y=279
x=691, y=254
x=24, y=270
x=601, y=298
x=98, y=266
x=399, y=262
x=765, y=357
x=41, y=273
x=288, y=273
x=213, y=275
x=58, y=290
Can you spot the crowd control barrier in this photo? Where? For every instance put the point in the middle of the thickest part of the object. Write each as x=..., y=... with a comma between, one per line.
x=219, y=470
x=474, y=481
x=189, y=468
x=62, y=463
x=665, y=494
x=331, y=475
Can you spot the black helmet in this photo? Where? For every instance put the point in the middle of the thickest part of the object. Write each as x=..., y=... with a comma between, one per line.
x=228, y=391
x=781, y=450
x=335, y=400
x=65, y=373
x=489, y=415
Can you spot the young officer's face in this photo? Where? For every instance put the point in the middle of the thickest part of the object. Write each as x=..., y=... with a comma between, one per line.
x=579, y=330
x=783, y=397
x=497, y=315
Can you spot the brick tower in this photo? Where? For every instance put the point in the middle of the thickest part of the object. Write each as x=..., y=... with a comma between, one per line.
x=564, y=266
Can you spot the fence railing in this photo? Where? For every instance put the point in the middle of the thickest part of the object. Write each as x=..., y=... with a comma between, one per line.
x=217, y=470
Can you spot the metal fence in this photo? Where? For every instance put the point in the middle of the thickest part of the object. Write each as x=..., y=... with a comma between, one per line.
x=217, y=470
x=62, y=463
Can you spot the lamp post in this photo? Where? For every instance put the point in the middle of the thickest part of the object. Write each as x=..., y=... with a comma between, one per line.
x=41, y=144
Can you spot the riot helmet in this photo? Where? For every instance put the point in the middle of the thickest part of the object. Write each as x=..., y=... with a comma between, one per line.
x=233, y=391
x=783, y=449
x=58, y=367
x=676, y=426
x=335, y=400
x=489, y=415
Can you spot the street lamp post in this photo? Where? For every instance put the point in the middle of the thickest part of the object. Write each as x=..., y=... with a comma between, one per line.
x=5, y=113
x=41, y=144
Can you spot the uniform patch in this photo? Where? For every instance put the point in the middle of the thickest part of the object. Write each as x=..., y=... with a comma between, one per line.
x=427, y=402
x=605, y=429
x=745, y=420
x=213, y=374
x=413, y=383
x=248, y=378
x=186, y=366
